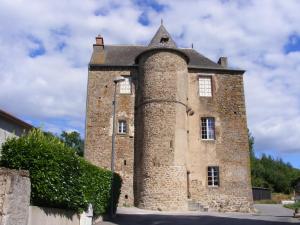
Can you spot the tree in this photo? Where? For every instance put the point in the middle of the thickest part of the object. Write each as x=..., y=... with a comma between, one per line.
x=269, y=172
x=251, y=144
x=73, y=140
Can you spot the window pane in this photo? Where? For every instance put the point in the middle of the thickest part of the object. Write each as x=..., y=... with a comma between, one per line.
x=213, y=176
x=208, y=128
x=204, y=128
x=125, y=127
x=211, y=128
x=122, y=127
x=125, y=86
x=205, y=86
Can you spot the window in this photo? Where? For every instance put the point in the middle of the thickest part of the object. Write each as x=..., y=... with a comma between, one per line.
x=122, y=127
x=213, y=176
x=125, y=86
x=208, y=128
x=205, y=86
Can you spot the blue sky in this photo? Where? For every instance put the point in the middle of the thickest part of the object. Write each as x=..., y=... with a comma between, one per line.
x=45, y=47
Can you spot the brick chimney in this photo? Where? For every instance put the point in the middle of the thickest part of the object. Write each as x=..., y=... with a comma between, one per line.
x=99, y=41
x=223, y=61
x=98, y=56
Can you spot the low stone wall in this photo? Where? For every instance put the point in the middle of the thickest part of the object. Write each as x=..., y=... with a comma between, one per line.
x=14, y=196
x=51, y=216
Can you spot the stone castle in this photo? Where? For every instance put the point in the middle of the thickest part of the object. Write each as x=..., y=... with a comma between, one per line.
x=181, y=140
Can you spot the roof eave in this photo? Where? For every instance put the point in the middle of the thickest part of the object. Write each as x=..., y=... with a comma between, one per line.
x=16, y=120
x=221, y=70
x=98, y=66
x=210, y=69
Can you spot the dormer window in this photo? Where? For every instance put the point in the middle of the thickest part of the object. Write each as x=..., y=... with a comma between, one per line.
x=164, y=40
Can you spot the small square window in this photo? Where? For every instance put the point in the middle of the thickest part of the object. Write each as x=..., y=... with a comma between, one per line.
x=122, y=127
x=213, y=176
x=205, y=87
x=125, y=86
x=208, y=128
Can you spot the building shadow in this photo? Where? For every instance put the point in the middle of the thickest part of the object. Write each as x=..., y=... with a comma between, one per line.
x=154, y=219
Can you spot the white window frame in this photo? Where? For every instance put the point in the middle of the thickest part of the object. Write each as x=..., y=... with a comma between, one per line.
x=213, y=178
x=122, y=127
x=205, y=85
x=208, y=128
x=125, y=86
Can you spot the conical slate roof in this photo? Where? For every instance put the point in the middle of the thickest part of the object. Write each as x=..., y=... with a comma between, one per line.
x=162, y=38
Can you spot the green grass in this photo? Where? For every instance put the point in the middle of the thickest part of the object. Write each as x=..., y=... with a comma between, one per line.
x=293, y=206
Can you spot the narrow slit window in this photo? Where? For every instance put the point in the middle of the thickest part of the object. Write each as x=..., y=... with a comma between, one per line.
x=122, y=127
x=205, y=87
x=208, y=128
x=213, y=178
x=125, y=86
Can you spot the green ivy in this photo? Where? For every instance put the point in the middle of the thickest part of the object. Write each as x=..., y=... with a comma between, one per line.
x=59, y=178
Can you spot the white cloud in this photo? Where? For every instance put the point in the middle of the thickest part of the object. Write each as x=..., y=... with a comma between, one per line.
x=52, y=86
x=253, y=36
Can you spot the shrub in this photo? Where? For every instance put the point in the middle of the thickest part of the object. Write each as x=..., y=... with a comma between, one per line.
x=278, y=197
x=59, y=178
x=293, y=206
x=54, y=169
x=96, y=183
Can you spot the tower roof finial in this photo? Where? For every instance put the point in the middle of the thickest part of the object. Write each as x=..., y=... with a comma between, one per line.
x=161, y=21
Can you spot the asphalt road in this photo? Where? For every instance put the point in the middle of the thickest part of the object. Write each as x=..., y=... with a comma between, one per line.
x=265, y=215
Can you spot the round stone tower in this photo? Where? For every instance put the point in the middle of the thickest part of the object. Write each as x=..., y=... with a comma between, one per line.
x=161, y=121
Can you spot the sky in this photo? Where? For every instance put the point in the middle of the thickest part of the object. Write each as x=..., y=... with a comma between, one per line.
x=45, y=47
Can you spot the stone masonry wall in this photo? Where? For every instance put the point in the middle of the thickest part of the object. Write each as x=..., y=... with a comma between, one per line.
x=163, y=143
x=229, y=151
x=14, y=196
x=160, y=180
x=99, y=127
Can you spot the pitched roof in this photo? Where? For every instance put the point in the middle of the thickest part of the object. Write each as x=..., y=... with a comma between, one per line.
x=125, y=55
x=122, y=55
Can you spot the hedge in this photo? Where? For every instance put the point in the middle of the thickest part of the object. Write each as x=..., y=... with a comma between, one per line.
x=59, y=178
x=96, y=184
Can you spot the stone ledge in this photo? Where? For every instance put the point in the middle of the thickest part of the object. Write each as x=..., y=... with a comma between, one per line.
x=13, y=172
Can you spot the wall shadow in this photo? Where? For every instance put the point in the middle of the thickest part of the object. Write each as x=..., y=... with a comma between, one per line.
x=58, y=212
